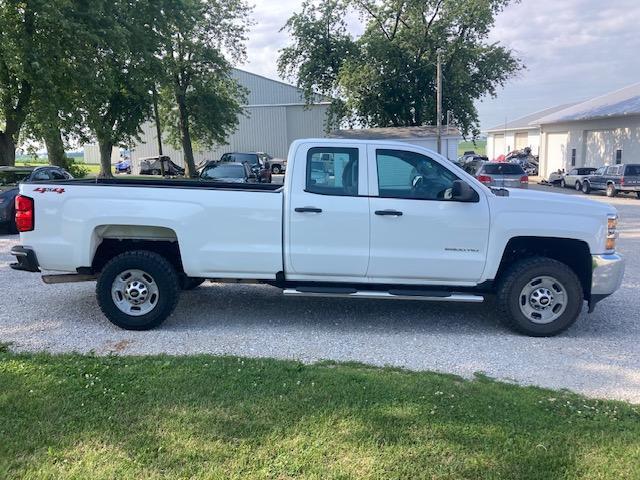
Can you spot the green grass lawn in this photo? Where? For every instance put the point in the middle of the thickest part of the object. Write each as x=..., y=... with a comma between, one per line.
x=93, y=169
x=118, y=417
x=480, y=147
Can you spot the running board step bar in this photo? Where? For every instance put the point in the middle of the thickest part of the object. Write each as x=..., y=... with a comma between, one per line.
x=431, y=296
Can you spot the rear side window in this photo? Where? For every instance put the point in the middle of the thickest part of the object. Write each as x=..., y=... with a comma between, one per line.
x=632, y=170
x=503, y=169
x=332, y=171
x=586, y=171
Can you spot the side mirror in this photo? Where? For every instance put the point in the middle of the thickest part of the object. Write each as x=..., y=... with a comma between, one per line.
x=462, y=192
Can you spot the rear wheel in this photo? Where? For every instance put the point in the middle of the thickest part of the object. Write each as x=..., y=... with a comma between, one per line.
x=138, y=290
x=578, y=186
x=611, y=190
x=638, y=194
x=586, y=188
x=540, y=297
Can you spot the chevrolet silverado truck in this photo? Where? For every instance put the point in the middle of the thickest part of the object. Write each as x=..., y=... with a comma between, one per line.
x=354, y=219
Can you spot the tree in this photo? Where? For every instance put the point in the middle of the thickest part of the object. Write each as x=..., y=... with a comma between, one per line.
x=200, y=100
x=386, y=77
x=18, y=67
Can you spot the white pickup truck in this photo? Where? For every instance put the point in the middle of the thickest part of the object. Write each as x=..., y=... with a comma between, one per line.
x=354, y=219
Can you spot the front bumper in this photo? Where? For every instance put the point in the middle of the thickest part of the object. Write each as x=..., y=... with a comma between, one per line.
x=606, y=276
x=27, y=260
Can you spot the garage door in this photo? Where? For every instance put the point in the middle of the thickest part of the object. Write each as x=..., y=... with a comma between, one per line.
x=556, y=153
x=498, y=145
x=522, y=140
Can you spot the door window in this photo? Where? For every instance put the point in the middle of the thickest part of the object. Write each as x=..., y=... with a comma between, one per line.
x=332, y=171
x=612, y=170
x=55, y=175
x=403, y=174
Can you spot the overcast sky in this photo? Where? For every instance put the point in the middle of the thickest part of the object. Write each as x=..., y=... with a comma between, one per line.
x=573, y=50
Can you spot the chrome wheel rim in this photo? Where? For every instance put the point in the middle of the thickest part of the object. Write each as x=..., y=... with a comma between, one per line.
x=578, y=186
x=135, y=292
x=543, y=300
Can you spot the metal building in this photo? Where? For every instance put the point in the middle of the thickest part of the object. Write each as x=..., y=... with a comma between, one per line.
x=276, y=115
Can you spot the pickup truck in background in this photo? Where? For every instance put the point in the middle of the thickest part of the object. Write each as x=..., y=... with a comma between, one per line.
x=614, y=179
x=384, y=220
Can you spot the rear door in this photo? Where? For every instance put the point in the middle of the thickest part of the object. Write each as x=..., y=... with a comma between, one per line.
x=327, y=230
x=417, y=235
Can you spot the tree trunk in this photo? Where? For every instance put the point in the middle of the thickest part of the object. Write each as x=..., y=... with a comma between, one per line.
x=7, y=150
x=55, y=148
x=106, y=147
x=185, y=136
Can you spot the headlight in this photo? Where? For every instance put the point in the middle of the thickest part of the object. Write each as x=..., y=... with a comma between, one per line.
x=612, y=233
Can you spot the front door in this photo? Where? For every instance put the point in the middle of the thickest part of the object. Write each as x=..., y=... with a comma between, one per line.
x=328, y=214
x=417, y=234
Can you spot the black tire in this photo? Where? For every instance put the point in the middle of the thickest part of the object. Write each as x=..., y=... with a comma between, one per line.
x=163, y=275
x=578, y=186
x=276, y=169
x=519, y=276
x=190, y=283
x=586, y=188
x=638, y=194
x=563, y=184
x=611, y=190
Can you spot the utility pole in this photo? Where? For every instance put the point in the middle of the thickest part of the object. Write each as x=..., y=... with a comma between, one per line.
x=439, y=100
x=158, y=128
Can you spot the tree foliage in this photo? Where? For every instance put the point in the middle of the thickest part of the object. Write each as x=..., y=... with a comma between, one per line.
x=201, y=101
x=387, y=76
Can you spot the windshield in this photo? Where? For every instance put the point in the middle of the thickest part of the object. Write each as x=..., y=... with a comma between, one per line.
x=223, y=171
x=502, y=169
x=12, y=178
x=250, y=158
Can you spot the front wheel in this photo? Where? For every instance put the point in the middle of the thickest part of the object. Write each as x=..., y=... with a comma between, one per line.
x=586, y=188
x=540, y=297
x=138, y=290
x=611, y=190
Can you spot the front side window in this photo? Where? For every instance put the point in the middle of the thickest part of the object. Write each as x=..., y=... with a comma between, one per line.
x=332, y=171
x=600, y=171
x=403, y=174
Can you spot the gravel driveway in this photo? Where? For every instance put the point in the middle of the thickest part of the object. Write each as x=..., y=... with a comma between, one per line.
x=599, y=356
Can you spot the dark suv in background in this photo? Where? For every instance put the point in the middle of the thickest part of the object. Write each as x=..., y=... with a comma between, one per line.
x=10, y=177
x=614, y=179
x=257, y=164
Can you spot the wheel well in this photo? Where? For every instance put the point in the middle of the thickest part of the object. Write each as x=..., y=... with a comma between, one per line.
x=110, y=247
x=573, y=253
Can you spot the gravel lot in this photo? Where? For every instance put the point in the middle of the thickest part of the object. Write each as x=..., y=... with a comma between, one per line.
x=599, y=356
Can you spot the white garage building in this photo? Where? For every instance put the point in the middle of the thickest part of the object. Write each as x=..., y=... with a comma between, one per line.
x=518, y=134
x=276, y=115
x=601, y=131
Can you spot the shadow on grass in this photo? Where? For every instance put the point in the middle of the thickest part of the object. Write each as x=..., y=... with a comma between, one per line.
x=224, y=417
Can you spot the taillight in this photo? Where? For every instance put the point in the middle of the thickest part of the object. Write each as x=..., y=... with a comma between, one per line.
x=524, y=179
x=621, y=180
x=485, y=178
x=24, y=213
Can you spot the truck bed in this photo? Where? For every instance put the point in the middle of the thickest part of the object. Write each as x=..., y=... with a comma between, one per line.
x=164, y=183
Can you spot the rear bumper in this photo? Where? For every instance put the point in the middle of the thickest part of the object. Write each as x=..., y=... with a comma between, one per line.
x=628, y=188
x=27, y=260
x=606, y=276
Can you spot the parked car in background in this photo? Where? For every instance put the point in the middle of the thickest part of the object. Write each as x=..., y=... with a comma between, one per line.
x=614, y=179
x=10, y=177
x=258, y=166
x=277, y=165
x=155, y=165
x=123, y=166
x=555, y=178
x=575, y=177
x=228, y=172
x=502, y=175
